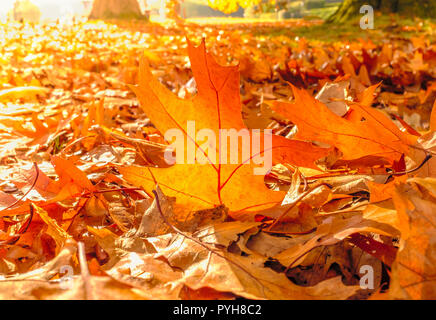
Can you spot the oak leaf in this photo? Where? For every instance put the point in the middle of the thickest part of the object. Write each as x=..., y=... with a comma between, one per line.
x=413, y=272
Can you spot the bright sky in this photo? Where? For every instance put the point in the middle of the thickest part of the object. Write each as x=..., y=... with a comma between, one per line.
x=50, y=9
x=53, y=9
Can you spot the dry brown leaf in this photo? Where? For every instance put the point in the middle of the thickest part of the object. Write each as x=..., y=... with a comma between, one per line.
x=414, y=269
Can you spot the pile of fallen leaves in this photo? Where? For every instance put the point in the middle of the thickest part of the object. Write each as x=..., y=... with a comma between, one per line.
x=89, y=208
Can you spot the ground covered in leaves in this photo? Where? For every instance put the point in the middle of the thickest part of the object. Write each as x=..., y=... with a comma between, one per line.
x=89, y=209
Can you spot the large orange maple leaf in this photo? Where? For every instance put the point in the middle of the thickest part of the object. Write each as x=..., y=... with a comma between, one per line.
x=216, y=106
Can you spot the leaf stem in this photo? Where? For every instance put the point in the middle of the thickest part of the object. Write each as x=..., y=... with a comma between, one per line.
x=27, y=192
x=176, y=230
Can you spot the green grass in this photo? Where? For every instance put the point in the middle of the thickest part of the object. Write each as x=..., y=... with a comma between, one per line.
x=384, y=27
x=229, y=20
x=322, y=13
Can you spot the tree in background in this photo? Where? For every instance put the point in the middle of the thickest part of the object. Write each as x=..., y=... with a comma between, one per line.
x=230, y=6
x=25, y=10
x=410, y=8
x=172, y=8
x=116, y=9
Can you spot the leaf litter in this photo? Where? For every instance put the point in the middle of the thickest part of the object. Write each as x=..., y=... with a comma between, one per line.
x=89, y=209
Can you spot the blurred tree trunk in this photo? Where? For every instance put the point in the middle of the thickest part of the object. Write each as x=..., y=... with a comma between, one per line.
x=173, y=9
x=410, y=8
x=116, y=9
x=25, y=10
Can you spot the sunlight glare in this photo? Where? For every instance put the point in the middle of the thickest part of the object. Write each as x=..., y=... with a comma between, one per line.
x=50, y=9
